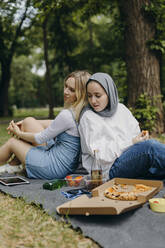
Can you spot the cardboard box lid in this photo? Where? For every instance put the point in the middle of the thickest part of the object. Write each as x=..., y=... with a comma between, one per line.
x=98, y=204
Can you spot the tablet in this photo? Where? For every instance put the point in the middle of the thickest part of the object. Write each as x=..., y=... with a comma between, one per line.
x=9, y=181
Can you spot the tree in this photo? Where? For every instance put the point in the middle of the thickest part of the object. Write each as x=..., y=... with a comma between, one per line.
x=25, y=83
x=10, y=31
x=47, y=11
x=143, y=68
x=48, y=76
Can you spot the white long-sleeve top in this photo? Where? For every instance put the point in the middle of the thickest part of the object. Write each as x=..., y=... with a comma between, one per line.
x=110, y=135
x=64, y=122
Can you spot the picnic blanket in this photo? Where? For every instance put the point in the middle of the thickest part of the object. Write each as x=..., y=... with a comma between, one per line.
x=137, y=228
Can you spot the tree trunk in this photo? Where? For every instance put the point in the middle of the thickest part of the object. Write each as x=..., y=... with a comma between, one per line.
x=47, y=76
x=142, y=64
x=91, y=45
x=6, y=56
x=5, y=79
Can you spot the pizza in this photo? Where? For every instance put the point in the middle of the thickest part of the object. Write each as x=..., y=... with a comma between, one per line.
x=123, y=192
x=144, y=132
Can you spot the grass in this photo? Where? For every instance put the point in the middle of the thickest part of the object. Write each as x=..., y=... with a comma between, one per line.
x=3, y=133
x=39, y=112
x=35, y=112
x=23, y=225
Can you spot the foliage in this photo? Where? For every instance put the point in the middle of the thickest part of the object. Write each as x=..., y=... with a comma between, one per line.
x=13, y=17
x=72, y=44
x=81, y=35
x=162, y=75
x=24, y=84
x=145, y=112
x=155, y=11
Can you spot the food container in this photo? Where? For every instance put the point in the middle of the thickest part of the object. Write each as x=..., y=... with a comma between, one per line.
x=98, y=204
x=91, y=184
x=157, y=204
x=74, y=180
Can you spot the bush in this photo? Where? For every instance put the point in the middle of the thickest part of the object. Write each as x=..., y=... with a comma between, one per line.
x=145, y=112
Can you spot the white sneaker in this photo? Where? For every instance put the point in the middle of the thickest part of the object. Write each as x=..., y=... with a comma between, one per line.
x=7, y=168
x=2, y=169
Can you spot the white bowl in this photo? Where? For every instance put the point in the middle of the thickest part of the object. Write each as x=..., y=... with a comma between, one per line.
x=157, y=204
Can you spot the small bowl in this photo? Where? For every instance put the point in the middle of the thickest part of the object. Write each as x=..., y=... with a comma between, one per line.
x=74, y=180
x=157, y=204
x=91, y=184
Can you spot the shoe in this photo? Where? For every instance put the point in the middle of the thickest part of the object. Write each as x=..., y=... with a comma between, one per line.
x=2, y=169
x=11, y=169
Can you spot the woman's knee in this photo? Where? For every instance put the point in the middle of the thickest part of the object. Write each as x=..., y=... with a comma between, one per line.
x=11, y=142
x=28, y=123
x=18, y=147
x=147, y=143
x=150, y=145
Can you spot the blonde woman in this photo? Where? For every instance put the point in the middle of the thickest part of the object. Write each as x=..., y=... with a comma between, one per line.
x=59, y=153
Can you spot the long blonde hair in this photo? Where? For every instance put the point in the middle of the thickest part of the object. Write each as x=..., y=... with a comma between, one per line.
x=81, y=78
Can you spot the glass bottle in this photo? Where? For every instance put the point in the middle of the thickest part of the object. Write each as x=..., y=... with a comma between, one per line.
x=96, y=170
x=55, y=184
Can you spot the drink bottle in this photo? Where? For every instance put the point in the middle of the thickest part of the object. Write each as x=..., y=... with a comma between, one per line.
x=54, y=184
x=96, y=170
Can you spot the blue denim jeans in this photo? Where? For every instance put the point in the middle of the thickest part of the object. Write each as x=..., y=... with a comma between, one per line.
x=143, y=160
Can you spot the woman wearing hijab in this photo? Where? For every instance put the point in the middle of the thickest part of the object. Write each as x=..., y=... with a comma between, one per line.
x=109, y=127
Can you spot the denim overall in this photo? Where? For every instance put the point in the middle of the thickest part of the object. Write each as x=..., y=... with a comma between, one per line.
x=56, y=160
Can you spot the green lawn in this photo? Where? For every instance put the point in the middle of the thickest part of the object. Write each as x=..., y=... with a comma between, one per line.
x=18, y=114
x=24, y=225
x=3, y=133
x=36, y=112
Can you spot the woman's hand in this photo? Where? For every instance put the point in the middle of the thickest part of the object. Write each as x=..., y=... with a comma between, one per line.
x=13, y=129
x=144, y=135
x=19, y=123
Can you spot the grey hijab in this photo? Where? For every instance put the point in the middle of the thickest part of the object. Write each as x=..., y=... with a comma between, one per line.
x=109, y=86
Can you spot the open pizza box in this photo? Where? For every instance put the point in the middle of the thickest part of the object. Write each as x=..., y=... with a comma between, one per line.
x=98, y=204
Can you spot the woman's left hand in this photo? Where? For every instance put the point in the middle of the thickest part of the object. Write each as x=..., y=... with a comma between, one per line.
x=13, y=129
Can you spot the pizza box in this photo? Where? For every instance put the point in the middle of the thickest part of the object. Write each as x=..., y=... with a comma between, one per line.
x=98, y=204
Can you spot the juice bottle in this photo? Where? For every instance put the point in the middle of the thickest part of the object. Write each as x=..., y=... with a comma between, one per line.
x=96, y=170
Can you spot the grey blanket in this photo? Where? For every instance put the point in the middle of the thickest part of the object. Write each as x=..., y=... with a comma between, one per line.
x=140, y=228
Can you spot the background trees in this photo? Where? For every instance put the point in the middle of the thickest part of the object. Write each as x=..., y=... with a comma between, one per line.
x=143, y=66
x=123, y=38
x=11, y=29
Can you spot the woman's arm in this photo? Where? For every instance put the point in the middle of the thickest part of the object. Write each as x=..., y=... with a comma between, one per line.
x=63, y=122
x=14, y=129
x=45, y=123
